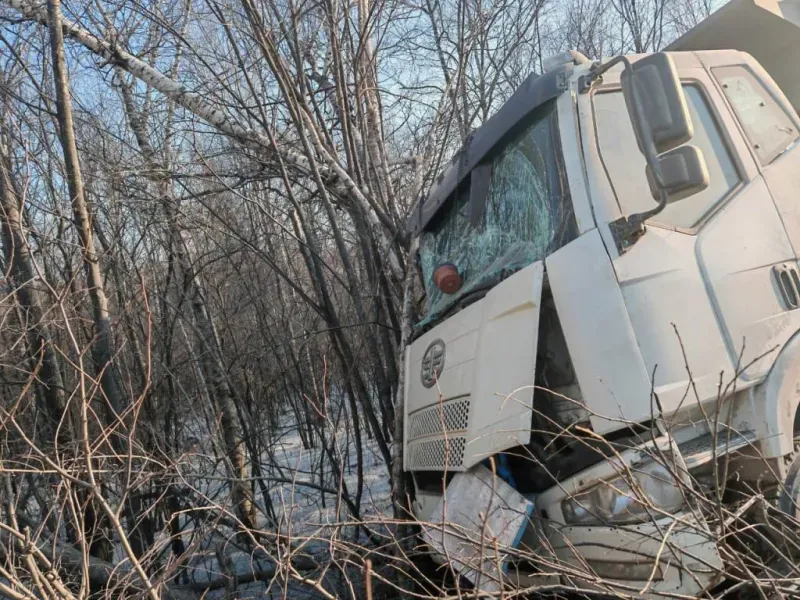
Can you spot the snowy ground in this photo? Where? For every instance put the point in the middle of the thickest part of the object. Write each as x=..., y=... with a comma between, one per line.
x=302, y=505
x=300, y=508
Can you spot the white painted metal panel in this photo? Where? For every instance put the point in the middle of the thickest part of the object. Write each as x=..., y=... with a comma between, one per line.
x=489, y=367
x=573, y=161
x=783, y=181
x=613, y=379
x=475, y=524
x=737, y=251
x=440, y=449
x=502, y=398
x=605, y=207
x=664, y=291
x=459, y=334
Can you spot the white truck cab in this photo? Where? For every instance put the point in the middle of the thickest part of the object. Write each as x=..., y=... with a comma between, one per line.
x=620, y=292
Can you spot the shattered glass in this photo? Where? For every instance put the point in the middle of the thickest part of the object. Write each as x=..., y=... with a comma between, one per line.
x=527, y=215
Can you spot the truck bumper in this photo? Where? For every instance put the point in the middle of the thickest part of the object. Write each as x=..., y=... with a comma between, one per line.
x=670, y=554
x=674, y=555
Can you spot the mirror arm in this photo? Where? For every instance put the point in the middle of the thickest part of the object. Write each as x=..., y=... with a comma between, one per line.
x=626, y=231
x=638, y=219
x=586, y=82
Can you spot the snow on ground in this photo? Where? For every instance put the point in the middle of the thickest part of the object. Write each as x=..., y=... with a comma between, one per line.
x=302, y=505
x=302, y=510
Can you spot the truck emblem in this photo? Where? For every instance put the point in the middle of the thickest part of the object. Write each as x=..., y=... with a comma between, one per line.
x=432, y=363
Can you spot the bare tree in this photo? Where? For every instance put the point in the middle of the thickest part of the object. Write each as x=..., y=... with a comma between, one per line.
x=29, y=291
x=209, y=198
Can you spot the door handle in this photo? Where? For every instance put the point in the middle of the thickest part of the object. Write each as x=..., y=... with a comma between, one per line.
x=788, y=280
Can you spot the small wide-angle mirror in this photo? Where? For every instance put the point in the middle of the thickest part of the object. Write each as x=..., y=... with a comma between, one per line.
x=656, y=104
x=683, y=173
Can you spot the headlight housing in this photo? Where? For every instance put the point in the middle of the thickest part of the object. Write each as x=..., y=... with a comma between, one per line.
x=626, y=499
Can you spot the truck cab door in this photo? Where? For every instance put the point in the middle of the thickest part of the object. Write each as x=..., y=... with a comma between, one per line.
x=700, y=285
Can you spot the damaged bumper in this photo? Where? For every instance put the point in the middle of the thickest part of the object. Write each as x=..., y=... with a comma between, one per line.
x=675, y=555
x=638, y=534
x=669, y=549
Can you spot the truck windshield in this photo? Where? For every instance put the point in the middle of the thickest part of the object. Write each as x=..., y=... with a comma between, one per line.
x=527, y=214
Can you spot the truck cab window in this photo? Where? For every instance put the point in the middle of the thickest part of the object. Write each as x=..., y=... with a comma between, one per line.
x=526, y=214
x=767, y=125
x=625, y=164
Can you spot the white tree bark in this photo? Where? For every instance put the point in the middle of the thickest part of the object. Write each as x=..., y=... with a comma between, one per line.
x=152, y=77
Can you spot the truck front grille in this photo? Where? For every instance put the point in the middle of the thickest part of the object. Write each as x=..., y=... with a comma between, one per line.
x=434, y=440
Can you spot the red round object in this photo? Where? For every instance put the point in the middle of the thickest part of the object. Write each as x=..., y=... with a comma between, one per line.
x=447, y=278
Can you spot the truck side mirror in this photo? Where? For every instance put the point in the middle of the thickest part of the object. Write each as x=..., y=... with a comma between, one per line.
x=660, y=117
x=683, y=173
x=656, y=104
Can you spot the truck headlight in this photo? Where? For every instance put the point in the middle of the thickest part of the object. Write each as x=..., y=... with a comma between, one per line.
x=617, y=501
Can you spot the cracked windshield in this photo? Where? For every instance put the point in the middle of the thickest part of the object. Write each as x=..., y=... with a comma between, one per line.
x=528, y=214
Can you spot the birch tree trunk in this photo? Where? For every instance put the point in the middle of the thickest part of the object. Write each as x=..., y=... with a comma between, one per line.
x=399, y=492
x=102, y=347
x=211, y=361
x=103, y=344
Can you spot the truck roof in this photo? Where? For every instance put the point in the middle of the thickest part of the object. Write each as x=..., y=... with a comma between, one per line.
x=768, y=30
